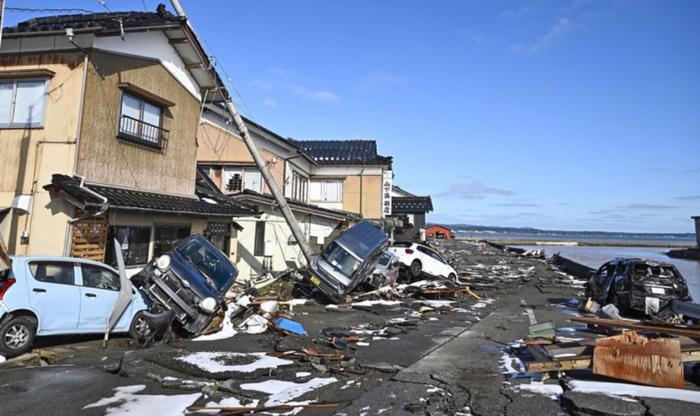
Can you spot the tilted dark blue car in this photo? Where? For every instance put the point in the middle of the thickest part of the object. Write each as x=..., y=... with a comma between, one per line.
x=191, y=280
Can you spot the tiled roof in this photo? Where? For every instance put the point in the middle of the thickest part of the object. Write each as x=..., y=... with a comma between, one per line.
x=342, y=152
x=106, y=21
x=248, y=196
x=208, y=204
x=411, y=204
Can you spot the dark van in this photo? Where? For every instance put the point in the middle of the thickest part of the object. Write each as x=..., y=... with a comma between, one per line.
x=191, y=280
x=348, y=260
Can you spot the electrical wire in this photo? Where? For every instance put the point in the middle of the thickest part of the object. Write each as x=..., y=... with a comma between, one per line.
x=230, y=81
x=35, y=10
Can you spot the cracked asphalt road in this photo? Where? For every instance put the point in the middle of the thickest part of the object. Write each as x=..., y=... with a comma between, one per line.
x=448, y=363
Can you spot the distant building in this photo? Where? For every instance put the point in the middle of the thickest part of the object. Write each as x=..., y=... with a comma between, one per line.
x=439, y=232
x=697, y=229
x=412, y=210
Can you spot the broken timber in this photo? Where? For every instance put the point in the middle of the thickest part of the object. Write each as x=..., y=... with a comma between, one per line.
x=636, y=358
x=582, y=362
x=680, y=330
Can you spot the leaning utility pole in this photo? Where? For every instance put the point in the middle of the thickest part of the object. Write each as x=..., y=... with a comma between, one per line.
x=260, y=162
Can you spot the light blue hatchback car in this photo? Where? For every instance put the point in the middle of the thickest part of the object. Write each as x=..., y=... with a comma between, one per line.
x=62, y=295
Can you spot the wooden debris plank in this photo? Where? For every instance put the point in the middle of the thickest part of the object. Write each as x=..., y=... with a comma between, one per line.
x=636, y=358
x=640, y=326
x=688, y=355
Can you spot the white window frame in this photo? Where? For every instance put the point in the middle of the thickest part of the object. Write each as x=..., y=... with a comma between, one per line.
x=15, y=82
x=140, y=118
x=324, y=190
x=241, y=170
x=300, y=186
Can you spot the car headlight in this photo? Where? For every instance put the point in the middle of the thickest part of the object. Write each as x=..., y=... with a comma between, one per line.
x=208, y=304
x=163, y=262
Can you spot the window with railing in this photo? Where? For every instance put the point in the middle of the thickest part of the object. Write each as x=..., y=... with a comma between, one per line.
x=141, y=122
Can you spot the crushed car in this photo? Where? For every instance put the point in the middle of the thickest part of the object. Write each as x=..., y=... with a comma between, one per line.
x=191, y=280
x=42, y=295
x=347, y=262
x=386, y=272
x=417, y=259
x=637, y=285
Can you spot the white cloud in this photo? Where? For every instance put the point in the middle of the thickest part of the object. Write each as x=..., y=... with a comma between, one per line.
x=281, y=79
x=473, y=190
x=270, y=103
x=316, y=95
x=559, y=29
x=384, y=77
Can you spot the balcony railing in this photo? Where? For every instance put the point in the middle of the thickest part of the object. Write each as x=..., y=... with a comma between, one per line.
x=140, y=132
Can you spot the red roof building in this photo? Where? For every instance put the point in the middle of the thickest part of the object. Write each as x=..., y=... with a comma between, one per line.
x=439, y=232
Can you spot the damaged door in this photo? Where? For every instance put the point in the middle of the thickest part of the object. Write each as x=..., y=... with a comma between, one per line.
x=98, y=293
x=53, y=289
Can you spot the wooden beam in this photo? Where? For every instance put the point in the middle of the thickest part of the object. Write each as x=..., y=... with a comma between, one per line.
x=640, y=326
x=178, y=40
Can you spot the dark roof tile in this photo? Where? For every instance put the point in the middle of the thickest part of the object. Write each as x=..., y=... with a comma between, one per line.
x=411, y=204
x=206, y=204
x=342, y=152
x=107, y=21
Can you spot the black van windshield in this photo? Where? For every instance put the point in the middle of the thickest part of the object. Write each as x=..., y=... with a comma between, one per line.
x=210, y=262
x=339, y=258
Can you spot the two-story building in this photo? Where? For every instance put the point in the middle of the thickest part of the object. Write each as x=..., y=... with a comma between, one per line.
x=265, y=242
x=99, y=115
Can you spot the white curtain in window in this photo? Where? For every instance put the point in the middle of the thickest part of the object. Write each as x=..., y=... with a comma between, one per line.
x=29, y=102
x=334, y=191
x=131, y=107
x=316, y=191
x=6, y=89
x=253, y=181
x=151, y=115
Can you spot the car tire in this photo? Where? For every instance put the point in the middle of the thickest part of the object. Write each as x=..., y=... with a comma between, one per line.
x=415, y=270
x=17, y=335
x=452, y=277
x=139, y=329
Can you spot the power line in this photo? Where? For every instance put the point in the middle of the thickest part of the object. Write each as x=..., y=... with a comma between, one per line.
x=103, y=4
x=34, y=10
x=230, y=80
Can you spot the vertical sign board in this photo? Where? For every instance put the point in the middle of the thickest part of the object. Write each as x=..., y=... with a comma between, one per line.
x=387, y=178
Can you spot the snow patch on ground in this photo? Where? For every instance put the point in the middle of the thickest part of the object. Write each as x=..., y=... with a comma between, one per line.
x=623, y=389
x=377, y=302
x=212, y=361
x=130, y=403
x=227, y=402
x=281, y=392
x=553, y=391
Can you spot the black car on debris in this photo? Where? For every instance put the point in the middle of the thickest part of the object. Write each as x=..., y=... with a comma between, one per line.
x=191, y=280
x=637, y=285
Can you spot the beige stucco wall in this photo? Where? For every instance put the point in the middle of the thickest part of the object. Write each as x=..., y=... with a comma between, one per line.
x=105, y=159
x=371, y=192
x=217, y=145
x=31, y=156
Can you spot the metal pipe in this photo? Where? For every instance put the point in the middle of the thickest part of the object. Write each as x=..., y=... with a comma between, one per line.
x=260, y=162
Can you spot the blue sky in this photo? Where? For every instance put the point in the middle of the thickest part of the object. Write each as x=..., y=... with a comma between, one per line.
x=576, y=114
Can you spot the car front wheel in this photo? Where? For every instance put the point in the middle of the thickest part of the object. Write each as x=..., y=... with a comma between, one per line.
x=140, y=330
x=17, y=335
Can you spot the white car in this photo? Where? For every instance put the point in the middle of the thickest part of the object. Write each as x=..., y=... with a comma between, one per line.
x=419, y=259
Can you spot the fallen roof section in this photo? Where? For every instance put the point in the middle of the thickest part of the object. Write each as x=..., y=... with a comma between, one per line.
x=205, y=204
x=248, y=196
